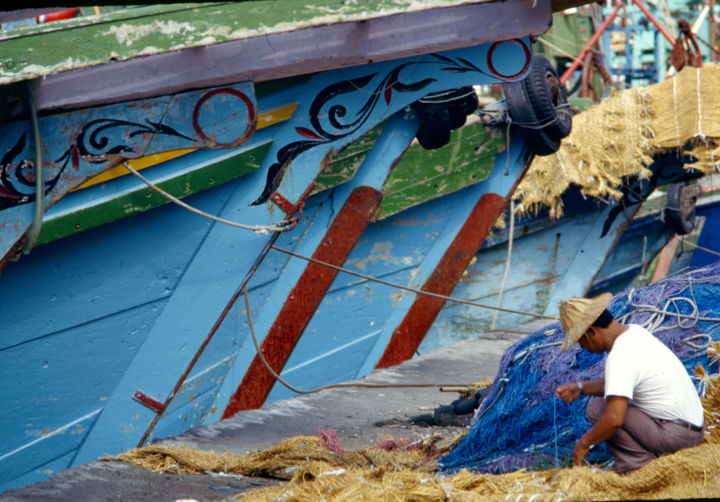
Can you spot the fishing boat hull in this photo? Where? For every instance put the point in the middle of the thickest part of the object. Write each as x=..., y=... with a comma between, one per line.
x=123, y=314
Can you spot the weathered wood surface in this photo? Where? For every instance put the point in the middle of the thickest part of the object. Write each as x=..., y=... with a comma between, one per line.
x=129, y=54
x=78, y=145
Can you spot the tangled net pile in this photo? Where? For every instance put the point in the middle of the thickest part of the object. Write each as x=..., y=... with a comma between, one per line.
x=521, y=424
x=514, y=428
x=618, y=137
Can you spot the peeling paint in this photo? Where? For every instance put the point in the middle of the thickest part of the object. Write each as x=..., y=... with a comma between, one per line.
x=127, y=34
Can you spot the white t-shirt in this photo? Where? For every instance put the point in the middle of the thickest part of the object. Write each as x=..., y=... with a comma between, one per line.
x=643, y=369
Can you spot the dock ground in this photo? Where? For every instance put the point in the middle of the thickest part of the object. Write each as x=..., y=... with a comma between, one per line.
x=361, y=417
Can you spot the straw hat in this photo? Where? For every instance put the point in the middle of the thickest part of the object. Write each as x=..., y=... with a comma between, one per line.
x=578, y=314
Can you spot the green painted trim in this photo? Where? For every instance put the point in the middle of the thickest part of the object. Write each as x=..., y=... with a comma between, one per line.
x=423, y=175
x=145, y=198
x=419, y=176
x=44, y=49
x=346, y=162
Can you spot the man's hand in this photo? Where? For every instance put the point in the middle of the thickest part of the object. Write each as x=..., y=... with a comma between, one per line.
x=581, y=449
x=568, y=392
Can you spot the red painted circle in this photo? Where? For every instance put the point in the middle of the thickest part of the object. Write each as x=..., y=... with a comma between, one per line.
x=491, y=66
x=211, y=94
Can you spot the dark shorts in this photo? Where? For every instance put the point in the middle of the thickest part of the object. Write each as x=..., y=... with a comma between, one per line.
x=642, y=438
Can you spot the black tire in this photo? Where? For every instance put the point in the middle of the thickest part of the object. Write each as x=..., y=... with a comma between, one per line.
x=441, y=112
x=538, y=107
x=434, y=131
x=679, y=211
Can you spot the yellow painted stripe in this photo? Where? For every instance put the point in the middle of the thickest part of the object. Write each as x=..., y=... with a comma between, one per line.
x=137, y=164
x=278, y=115
x=264, y=120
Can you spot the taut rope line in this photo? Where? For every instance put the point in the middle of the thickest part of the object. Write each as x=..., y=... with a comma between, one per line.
x=280, y=227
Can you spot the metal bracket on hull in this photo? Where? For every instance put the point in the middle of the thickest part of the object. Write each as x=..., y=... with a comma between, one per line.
x=148, y=401
x=288, y=207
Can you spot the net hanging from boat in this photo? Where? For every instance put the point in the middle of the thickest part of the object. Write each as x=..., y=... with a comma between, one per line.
x=518, y=423
x=618, y=137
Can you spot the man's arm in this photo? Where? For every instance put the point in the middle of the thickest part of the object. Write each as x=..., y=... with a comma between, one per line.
x=609, y=422
x=571, y=391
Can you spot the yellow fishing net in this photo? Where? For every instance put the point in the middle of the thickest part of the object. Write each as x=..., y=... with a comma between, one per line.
x=618, y=136
x=403, y=470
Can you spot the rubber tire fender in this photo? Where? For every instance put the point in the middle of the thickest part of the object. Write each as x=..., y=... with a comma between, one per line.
x=438, y=119
x=681, y=220
x=535, y=101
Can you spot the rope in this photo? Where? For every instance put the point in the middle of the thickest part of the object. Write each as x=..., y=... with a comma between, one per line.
x=258, y=229
x=412, y=290
x=284, y=226
x=34, y=230
x=430, y=98
x=277, y=377
x=554, y=47
x=698, y=37
x=507, y=261
x=561, y=110
x=658, y=317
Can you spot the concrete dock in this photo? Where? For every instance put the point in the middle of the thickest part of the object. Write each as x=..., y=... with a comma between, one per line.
x=361, y=416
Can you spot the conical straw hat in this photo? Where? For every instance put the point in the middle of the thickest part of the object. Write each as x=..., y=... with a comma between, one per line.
x=578, y=314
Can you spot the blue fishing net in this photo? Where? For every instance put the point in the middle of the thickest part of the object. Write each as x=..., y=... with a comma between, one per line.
x=521, y=424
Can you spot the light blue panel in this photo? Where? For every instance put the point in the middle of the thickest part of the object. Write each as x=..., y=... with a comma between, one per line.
x=46, y=454
x=644, y=239
x=56, y=379
x=106, y=270
x=199, y=383
x=589, y=257
x=193, y=404
x=508, y=167
x=394, y=139
x=328, y=368
x=538, y=260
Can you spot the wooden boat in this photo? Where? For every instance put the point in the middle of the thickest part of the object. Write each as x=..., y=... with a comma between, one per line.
x=555, y=258
x=119, y=309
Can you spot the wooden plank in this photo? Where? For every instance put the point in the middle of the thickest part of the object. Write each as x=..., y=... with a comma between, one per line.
x=409, y=333
x=265, y=49
x=91, y=208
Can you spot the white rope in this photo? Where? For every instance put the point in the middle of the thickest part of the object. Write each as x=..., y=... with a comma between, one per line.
x=258, y=229
x=278, y=378
x=653, y=323
x=507, y=262
x=284, y=226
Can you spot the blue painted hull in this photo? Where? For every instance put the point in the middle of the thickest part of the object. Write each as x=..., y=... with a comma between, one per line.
x=102, y=324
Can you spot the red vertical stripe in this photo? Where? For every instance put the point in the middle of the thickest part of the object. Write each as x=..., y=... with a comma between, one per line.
x=410, y=333
x=304, y=299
